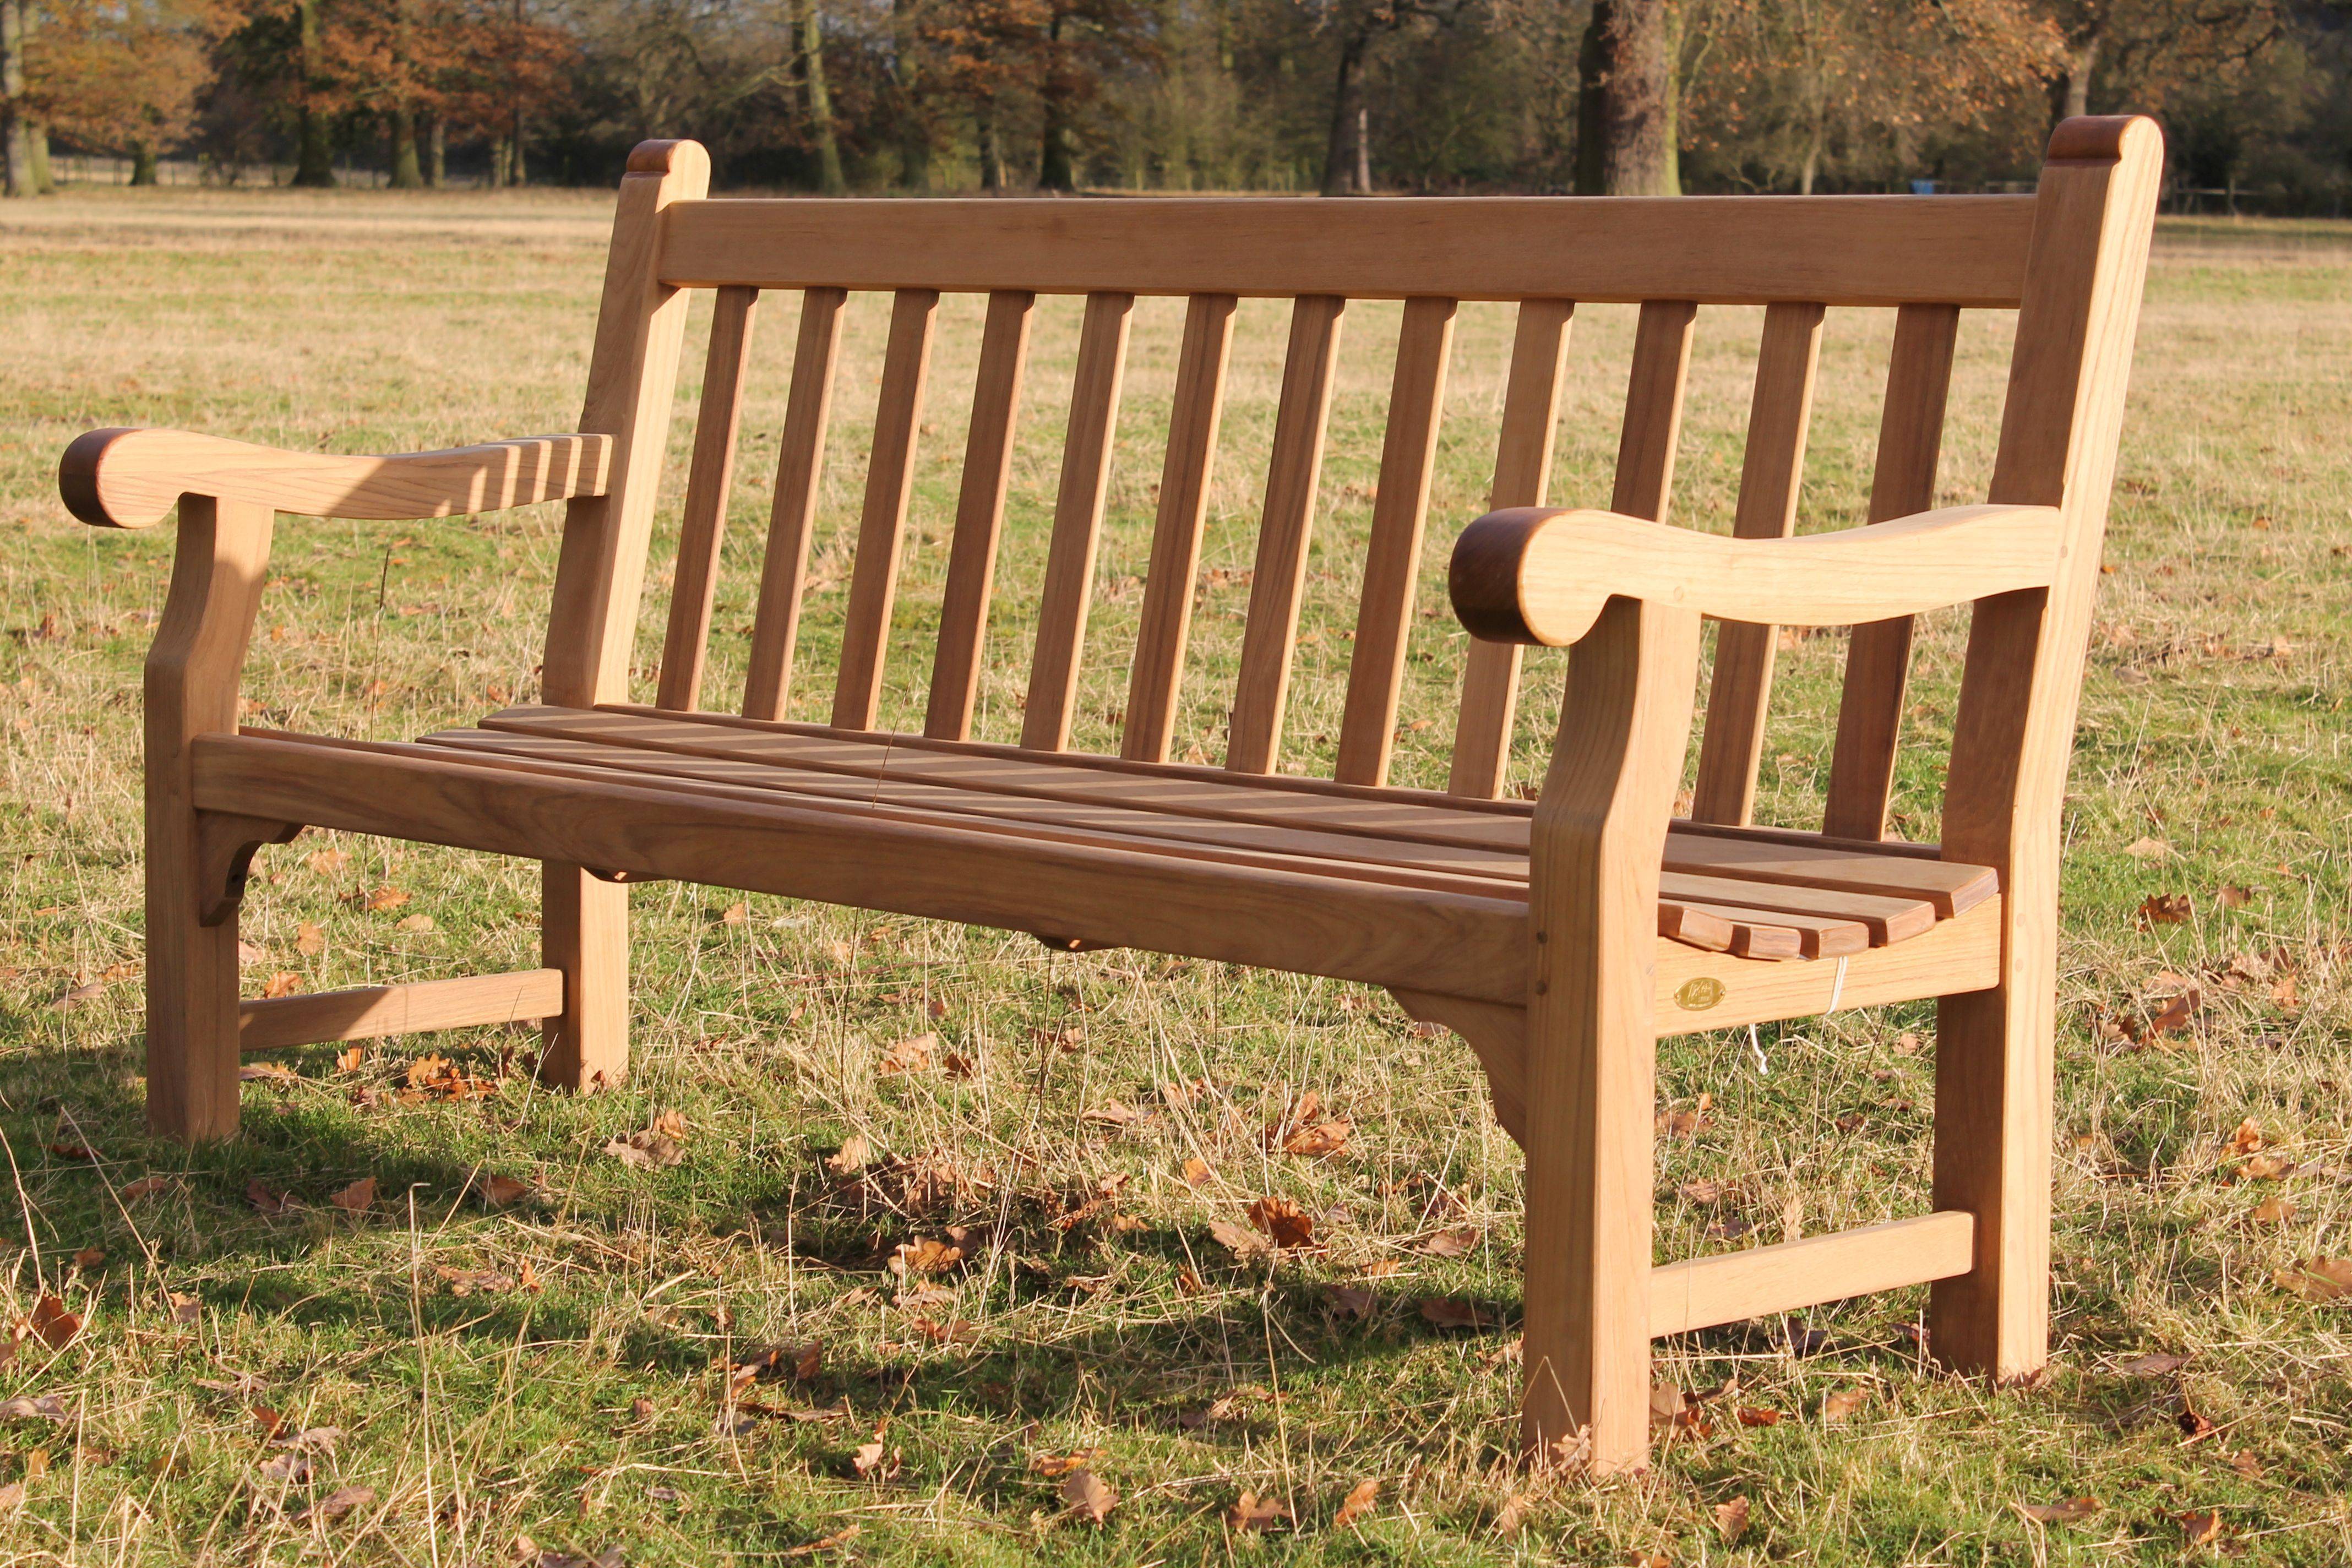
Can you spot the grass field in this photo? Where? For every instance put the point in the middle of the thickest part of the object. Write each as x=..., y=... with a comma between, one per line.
x=518, y=1341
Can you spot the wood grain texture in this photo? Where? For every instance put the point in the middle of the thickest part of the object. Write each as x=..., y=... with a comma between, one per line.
x=592, y=622
x=792, y=517
x=1384, y=611
x=1591, y=1032
x=1198, y=403
x=584, y=933
x=1304, y=924
x=1535, y=575
x=367, y=1012
x=1844, y=250
x=1878, y=658
x=1651, y=433
x=1490, y=681
x=1763, y=1281
x=980, y=516
x=2014, y=733
x=1270, y=638
x=129, y=478
x=220, y=558
x=703, y=530
x=1077, y=521
x=889, y=487
x=1771, y=471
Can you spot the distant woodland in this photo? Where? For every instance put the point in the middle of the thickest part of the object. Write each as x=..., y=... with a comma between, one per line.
x=1619, y=96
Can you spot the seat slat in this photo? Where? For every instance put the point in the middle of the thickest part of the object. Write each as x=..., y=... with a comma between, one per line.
x=1490, y=682
x=980, y=516
x=791, y=516
x=1948, y=887
x=1702, y=911
x=1289, y=920
x=1270, y=638
x=890, y=485
x=1883, y=918
x=1195, y=409
x=1878, y=658
x=1762, y=933
x=704, y=527
x=1077, y=521
x=1771, y=473
x=1392, y=563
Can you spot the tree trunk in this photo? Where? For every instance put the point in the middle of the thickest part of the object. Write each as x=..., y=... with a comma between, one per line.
x=516, y=171
x=810, y=28
x=405, y=175
x=437, y=154
x=2082, y=59
x=1343, y=102
x=1638, y=108
x=992, y=149
x=36, y=140
x=1057, y=151
x=15, y=145
x=914, y=134
x=1593, y=102
x=143, y=163
x=314, y=157
x=1363, y=146
x=498, y=163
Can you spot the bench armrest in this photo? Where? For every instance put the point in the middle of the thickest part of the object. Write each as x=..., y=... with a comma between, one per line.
x=1538, y=574
x=129, y=478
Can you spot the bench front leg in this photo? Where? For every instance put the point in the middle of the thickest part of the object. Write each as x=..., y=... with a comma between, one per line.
x=1598, y=842
x=192, y=680
x=583, y=930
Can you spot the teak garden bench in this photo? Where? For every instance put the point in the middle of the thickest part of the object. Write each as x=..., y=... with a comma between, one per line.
x=1561, y=937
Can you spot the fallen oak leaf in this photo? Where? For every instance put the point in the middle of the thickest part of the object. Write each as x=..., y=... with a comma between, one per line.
x=2070, y=1511
x=1837, y=1408
x=266, y=1198
x=44, y=1407
x=1731, y=1517
x=356, y=1198
x=336, y=1504
x=1088, y=1495
x=1448, y=1312
x=842, y=1537
x=1284, y=1222
x=2320, y=1280
x=2202, y=1526
x=149, y=1187
x=911, y=1055
x=2164, y=910
x=55, y=1324
x=1253, y=1515
x=1361, y=1499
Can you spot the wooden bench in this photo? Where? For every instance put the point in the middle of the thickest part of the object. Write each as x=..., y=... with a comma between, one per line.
x=1561, y=937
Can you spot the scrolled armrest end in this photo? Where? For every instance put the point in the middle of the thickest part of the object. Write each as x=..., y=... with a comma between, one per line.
x=80, y=481
x=1484, y=575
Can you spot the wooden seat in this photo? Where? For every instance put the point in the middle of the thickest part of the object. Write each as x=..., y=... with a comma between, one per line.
x=1560, y=937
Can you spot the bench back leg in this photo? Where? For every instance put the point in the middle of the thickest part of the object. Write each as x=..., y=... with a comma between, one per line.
x=191, y=690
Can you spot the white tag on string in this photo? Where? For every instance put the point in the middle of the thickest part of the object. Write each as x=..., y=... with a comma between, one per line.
x=1763, y=1062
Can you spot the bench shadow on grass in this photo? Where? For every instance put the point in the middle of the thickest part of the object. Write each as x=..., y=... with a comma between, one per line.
x=1164, y=1365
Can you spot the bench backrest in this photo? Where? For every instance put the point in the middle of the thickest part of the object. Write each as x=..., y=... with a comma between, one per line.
x=2068, y=257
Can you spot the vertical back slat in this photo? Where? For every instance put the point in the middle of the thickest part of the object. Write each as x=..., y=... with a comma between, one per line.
x=1653, y=410
x=980, y=516
x=889, y=482
x=1198, y=403
x=1771, y=475
x=1392, y=563
x=1490, y=684
x=704, y=529
x=1271, y=635
x=1878, y=661
x=1077, y=521
x=792, y=517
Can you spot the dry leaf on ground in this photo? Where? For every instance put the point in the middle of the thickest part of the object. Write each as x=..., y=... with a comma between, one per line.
x=57, y=1326
x=850, y=1158
x=1361, y=1499
x=2320, y=1280
x=2068, y=1512
x=357, y=1198
x=1088, y=1495
x=1839, y=1407
x=1448, y=1312
x=911, y=1055
x=1731, y=1517
x=1252, y=1514
x=2202, y=1526
x=648, y=1149
x=337, y=1503
x=1284, y=1222
x=499, y=1191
